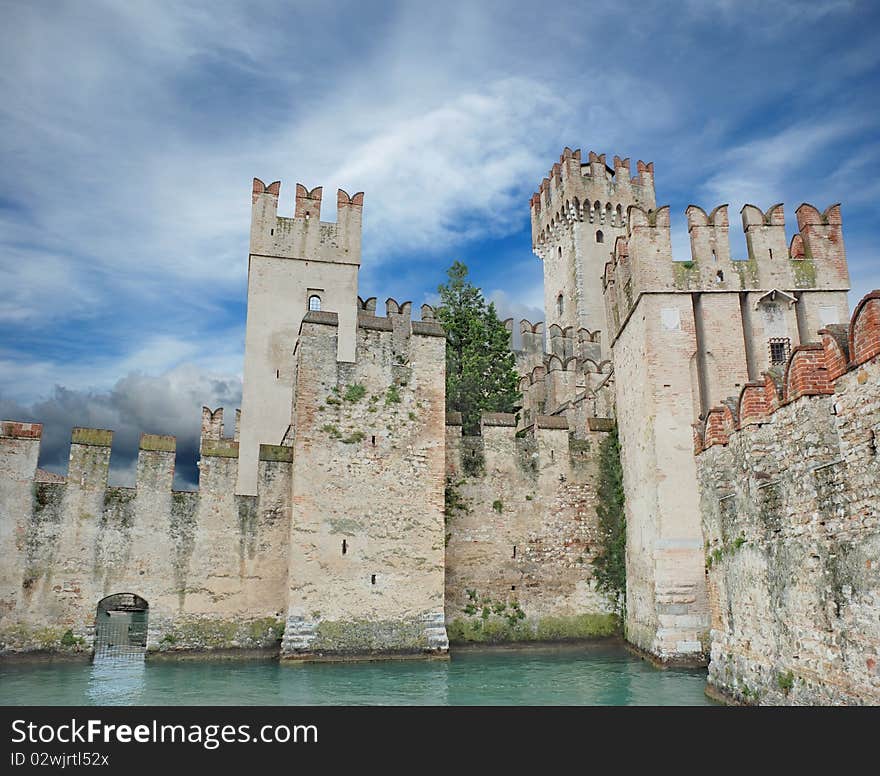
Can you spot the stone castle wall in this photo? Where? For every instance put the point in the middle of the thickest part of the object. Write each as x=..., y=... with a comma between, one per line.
x=210, y=564
x=789, y=475
x=522, y=532
x=684, y=335
x=367, y=567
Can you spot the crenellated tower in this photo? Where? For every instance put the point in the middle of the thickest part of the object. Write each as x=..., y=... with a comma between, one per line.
x=295, y=265
x=577, y=213
x=684, y=336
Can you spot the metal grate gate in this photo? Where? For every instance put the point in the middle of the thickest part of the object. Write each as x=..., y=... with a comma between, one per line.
x=121, y=628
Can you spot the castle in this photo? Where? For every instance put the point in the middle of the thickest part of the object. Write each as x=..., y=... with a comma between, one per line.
x=347, y=516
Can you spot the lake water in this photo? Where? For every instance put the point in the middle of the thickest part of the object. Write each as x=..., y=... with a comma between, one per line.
x=600, y=675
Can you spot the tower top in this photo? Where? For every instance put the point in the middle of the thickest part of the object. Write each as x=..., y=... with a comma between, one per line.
x=305, y=236
x=575, y=190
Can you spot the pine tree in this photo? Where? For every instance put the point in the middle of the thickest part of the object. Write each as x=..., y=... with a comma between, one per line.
x=480, y=367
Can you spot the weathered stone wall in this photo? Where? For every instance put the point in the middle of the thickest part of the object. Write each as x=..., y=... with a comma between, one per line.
x=211, y=565
x=522, y=532
x=684, y=335
x=666, y=598
x=366, y=572
x=790, y=498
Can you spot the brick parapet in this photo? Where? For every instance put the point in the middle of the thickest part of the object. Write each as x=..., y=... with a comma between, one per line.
x=812, y=369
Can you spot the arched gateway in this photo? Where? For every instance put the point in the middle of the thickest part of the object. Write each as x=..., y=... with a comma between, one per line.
x=121, y=625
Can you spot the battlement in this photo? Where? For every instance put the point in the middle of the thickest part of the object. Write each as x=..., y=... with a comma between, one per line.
x=506, y=429
x=590, y=192
x=396, y=313
x=642, y=261
x=90, y=454
x=812, y=369
x=305, y=236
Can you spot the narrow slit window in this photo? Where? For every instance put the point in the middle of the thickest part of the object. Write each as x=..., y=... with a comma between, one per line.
x=373, y=579
x=344, y=546
x=373, y=438
x=560, y=304
x=272, y=232
x=277, y=374
x=514, y=550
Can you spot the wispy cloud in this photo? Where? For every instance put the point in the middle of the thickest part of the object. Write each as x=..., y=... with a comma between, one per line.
x=130, y=131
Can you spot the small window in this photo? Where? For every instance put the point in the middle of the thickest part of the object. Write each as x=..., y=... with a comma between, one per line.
x=599, y=236
x=373, y=579
x=770, y=250
x=714, y=256
x=272, y=232
x=559, y=252
x=560, y=305
x=514, y=550
x=719, y=276
x=344, y=546
x=314, y=302
x=780, y=347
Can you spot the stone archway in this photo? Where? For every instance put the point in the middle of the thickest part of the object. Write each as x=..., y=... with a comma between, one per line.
x=121, y=626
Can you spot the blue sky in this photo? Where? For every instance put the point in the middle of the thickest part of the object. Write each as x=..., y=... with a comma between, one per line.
x=131, y=130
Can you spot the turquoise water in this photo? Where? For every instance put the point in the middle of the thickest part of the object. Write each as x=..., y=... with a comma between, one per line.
x=602, y=675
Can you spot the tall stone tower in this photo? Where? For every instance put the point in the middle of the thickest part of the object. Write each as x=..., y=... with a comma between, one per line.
x=577, y=213
x=685, y=336
x=295, y=265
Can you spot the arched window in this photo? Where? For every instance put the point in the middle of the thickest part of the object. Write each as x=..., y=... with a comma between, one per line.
x=559, y=252
x=314, y=302
x=560, y=305
x=599, y=236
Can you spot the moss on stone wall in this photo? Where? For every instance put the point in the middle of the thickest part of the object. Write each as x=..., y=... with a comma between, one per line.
x=91, y=436
x=358, y=636
x=747, y=272
x=278, y=453
x=685, y=274
x=209, y=633
x=219, y=448
x=118, y=509
x=158, y=443
x=182, y=526
x=804, y=271
x=473, y=459
x=19, y=638
x=496, y=630
x=248, y=525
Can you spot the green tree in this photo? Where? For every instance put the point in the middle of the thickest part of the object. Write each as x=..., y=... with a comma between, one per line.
x=480, y=367
x=610, y=564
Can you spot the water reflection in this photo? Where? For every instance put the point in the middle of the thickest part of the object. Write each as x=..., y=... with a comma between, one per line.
x=117, y=679
x=583, y=675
